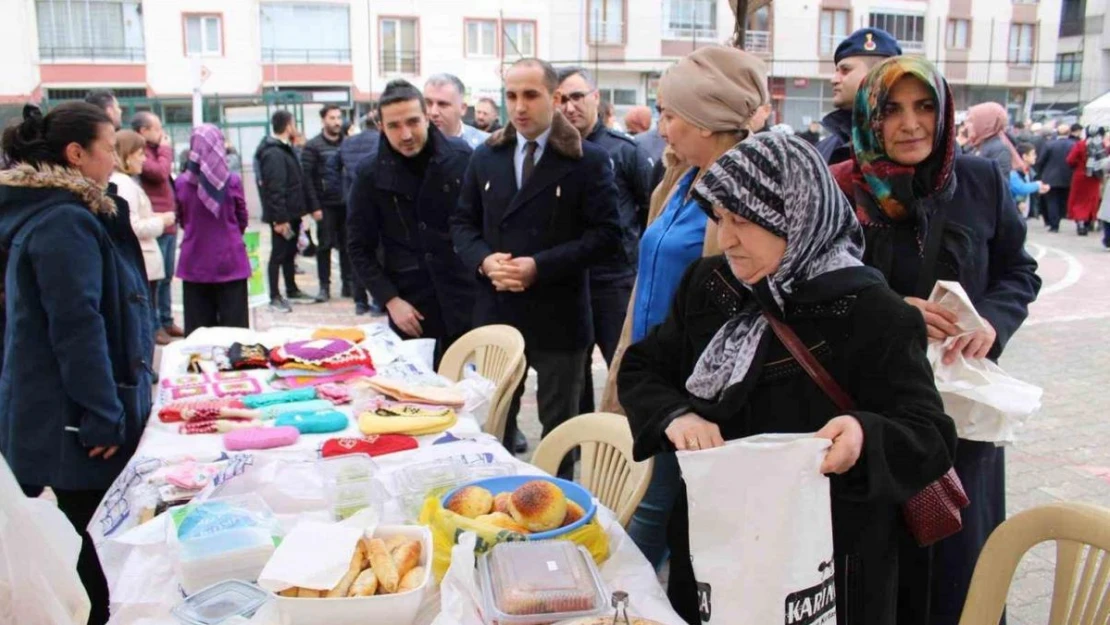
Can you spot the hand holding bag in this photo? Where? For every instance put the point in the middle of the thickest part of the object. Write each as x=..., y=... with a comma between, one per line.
x=933, y=513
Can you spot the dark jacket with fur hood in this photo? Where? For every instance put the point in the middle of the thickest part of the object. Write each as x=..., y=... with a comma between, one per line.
x=565, y=217
x=77, y=338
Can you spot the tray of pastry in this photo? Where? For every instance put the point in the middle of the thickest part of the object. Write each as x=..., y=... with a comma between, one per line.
x=536, y=582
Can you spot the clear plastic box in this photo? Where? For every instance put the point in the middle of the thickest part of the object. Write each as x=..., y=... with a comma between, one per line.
x=350, y=485
x=530, y=583
x=417, y=481
x=223, y=538
x=220, y=602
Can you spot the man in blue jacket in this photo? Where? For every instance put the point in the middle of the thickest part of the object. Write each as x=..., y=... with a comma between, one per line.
x=610, y=281
x=400, y=203
x=855, y=56
x=340, y=172
x=538, y=209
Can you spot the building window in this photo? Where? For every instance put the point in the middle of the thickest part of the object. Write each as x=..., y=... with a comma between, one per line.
x=203, y=35
x=757, y=34
x=958, y=31
x=908, y=29
x=519, y=38
x=305, y=33
x=834, y=29
x=1072, y=14
x=90, y=29
x=690, y=19
x=400, y=52
x=1021, y=44
x=1069, y=67
x=619, y=97
x=606, y=22
x=481, y=38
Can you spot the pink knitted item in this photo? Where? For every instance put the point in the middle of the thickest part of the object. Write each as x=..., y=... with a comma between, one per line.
x=216, y=425
x=337, y=394
x=261, y=438
x=189, y=409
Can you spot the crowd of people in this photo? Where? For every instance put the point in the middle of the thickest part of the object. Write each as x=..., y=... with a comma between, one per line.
x=690, y=254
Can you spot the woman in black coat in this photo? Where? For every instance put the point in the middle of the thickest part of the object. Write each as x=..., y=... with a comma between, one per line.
x=929, y=215
x=714, y=370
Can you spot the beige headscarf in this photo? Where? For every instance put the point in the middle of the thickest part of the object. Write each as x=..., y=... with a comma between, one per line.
x=716, y=88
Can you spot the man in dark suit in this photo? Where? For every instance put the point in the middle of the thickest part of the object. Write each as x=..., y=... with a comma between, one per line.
x=400, y=201
x=1052, y=165
x=538, y=207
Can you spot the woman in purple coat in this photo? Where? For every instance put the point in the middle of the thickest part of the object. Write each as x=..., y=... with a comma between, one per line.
x=213, y=212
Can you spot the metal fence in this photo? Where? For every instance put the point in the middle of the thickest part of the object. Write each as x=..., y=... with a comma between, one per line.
x=53, y=54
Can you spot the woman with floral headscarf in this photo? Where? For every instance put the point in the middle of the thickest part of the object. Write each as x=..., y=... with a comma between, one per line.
x=212, y=210
x=929, y=215
x=715, y=370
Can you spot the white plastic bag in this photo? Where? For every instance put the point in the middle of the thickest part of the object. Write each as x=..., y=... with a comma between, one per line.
x=986, y=404
x=38, y=561
x=460, y=596
x=761, y=531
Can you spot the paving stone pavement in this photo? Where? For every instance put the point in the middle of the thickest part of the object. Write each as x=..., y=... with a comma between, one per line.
x=1064, y=451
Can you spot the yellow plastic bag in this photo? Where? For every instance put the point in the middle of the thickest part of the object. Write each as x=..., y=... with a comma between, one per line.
x=446, y=527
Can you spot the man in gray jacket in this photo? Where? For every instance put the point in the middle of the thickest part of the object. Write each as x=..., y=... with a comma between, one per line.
x=443, y=98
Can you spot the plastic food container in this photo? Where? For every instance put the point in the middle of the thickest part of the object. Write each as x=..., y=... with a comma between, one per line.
x=220, y=602
x=509, y=483
x=396, y=609
x=533, y=583
x=415, y=483
x=223, y=538
x=350, y=486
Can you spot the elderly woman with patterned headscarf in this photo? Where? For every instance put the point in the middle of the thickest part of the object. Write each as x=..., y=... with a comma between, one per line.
x=928, y=215
x=716, y=369
x=212, y=210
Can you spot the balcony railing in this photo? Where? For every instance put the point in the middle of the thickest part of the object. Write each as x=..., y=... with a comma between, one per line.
x=52, y=54
x=757, y=41
x=1071, y=27
x=912, y=47
x=609, y=33
x=295, y=55
x=403, y=62
x=681, y=33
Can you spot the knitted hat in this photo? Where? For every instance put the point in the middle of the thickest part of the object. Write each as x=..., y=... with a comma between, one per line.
x=375, y=445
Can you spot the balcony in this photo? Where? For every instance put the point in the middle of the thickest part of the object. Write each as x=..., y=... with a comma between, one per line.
x=93, y=54
x=399, y=62
x=912, y=47
x=758, y=41
x=336, y=56
x=1071, y=27
x=688, y=33
x=606, y=33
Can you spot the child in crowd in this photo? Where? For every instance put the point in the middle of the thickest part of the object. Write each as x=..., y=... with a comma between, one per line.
x=1022, y=183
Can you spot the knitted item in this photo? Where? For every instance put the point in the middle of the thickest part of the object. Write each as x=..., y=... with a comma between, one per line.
x=377, y=445
x=353, y=335
x=180, y=381
x=301, y=382
x=370, y=423
x=337, y=394
x=187, y=410
x=229, y=388
x=278, y=397
x=405, y=392
x=275, y=411
x=329, y=354
x=260, y=438
x=217, y=425
x=318, y=422
x=248, y=356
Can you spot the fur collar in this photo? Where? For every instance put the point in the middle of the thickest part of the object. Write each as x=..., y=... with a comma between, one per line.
x=64, y=178
x=564, y=138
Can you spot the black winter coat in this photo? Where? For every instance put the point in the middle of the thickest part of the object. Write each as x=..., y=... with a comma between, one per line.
x=565, y=218
x=632, y=169
x=314, y=160
x=281, y=184
x=343, y=165
x=873, y=344
x=390, y=207
x=837, y=147
x=1052, y=162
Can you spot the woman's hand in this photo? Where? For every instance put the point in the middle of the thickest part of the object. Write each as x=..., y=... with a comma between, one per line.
x=974, y=346
x=690, y=432
x=104, y=452
x=846, y=435
x=940, y=323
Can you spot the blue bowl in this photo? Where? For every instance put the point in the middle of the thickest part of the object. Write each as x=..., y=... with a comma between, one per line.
x=509, y=483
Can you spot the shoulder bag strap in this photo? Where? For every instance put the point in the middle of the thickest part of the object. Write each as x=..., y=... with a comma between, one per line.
x=808, y=362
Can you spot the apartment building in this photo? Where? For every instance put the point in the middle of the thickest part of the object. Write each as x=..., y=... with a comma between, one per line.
x=1082, y=67
x=244, y=52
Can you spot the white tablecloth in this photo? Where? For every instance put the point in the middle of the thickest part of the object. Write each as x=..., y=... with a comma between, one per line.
x=136, y=559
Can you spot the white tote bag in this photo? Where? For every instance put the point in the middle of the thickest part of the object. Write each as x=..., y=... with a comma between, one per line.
x=761, y=531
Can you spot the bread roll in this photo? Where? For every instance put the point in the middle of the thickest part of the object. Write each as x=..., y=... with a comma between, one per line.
x=393, y=542
x=502, y=520
x=471, y=502
x=344, y=586
x=501, y=502
x=384, y=568
x=538, y=505
x=574, y=513
x=412, y=580
x=366, y=584
x=308, y=593
x=406, y=557
x=289, y=592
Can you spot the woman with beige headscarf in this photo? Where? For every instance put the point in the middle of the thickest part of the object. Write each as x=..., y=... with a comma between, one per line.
x=706, y=102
